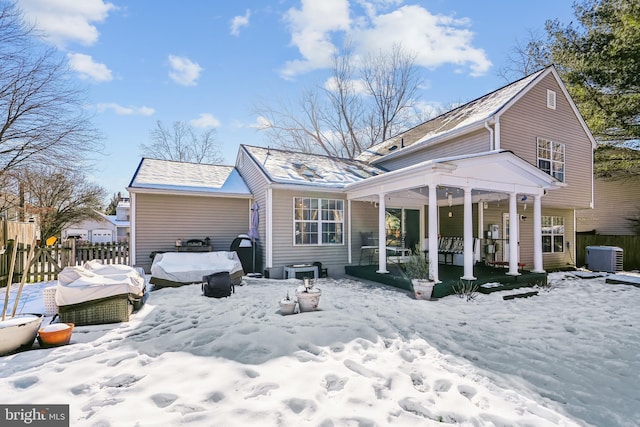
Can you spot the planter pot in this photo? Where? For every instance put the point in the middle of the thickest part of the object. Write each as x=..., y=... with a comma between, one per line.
x=287, y=307
x=19, y=331
x=308, y=300
x=55, y=334
x=422, y=288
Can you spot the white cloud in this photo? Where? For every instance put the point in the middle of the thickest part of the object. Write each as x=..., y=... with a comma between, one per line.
x=85, y=66
x=67, y=21
x=184, y=71
x=125, y=111
x=436, y=39
x=238, y=22
x=205, y=120
x=311, y=27
x=357, y=85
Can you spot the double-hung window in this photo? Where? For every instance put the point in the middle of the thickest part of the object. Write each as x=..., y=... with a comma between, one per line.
x=552, y=234
x=551, y=158
x=318, y=221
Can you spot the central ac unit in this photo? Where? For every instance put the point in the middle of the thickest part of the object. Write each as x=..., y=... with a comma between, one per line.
x=604, y=258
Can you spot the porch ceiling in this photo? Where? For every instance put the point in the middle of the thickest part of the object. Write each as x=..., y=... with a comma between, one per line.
x=496, y=172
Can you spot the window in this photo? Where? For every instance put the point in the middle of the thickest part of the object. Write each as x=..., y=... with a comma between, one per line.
x=551, y=158
x=551, y=99
x=552, y=234
x=318, y=221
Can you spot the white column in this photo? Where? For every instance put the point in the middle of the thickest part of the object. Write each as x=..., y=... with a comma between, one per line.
x=538, y=266
x=349, y=231
x=513, y=235
x=478, y=256
x=133, y=230
x=468, y=236
x=382, y=236
x=433, y=233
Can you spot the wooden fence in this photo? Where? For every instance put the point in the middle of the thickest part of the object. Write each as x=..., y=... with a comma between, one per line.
x=25, y=232
x=50, y=260
x=629, y=244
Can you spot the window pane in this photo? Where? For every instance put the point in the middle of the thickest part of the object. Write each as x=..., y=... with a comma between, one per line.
x=558, y=243
x=544, y=165
x=546, y=244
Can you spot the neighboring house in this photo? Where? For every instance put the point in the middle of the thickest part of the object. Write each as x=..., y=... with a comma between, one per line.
x=173, y=201
x=615, y=202
x=107, y=229
x=521, y=152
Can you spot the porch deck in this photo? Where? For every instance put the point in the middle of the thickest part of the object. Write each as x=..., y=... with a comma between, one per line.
x=449, y=276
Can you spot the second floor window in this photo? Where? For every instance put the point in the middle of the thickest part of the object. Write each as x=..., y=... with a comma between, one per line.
x=318, y=221
x=551, y=158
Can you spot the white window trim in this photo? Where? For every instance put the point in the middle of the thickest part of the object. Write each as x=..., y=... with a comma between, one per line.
x=551, y=161
x=319, y=222
x=552, y=234
x=551, y=99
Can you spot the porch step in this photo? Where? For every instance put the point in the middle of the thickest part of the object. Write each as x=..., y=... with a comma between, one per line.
x=524, y=295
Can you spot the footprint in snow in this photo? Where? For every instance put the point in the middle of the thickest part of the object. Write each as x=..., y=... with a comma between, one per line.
x=467, y=391
x=418, y=381
x=300, y=405
x=124, y=380
x=442, y=386
x=162, y=400
x=215, y=397
x=334, y=383
x=361, y=370
x=25, y=382
x=262, y=390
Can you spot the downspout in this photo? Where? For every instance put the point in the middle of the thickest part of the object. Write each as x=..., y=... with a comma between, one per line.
x=133, y=230
x=490, y=129
x=497, y=139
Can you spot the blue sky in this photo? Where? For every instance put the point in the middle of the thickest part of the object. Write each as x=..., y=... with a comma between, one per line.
x=210, y=62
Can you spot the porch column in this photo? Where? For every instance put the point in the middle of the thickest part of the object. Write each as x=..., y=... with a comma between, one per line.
x=349, y=232
x=538, y=266
x=468, y=236
x=382, y=235
x=478, y=256
x=513, y=235
x=433, y=233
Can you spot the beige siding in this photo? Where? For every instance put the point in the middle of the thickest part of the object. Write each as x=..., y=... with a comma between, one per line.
x=615, y=201
x=258, y=184
x=476, y=142
x=364, y=218
x=529, y=118
x=333, y=257
x=161, y=219
x=494, y=215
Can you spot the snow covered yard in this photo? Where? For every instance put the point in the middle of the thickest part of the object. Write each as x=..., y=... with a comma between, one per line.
x=372, y=355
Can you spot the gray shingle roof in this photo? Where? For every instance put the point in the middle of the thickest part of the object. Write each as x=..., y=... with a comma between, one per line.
x=474, y=112
x=170, y=175
x=291, y=167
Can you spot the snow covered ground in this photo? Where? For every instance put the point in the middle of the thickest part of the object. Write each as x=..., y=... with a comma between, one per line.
x=371, y=356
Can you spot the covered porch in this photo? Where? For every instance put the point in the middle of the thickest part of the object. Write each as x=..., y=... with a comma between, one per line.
x=461, y=181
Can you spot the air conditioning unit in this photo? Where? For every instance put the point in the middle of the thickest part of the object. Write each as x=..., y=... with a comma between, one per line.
x=604, y=258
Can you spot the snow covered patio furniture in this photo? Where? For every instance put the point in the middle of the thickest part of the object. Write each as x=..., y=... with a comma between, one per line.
x=171, y=269
x=95, y=293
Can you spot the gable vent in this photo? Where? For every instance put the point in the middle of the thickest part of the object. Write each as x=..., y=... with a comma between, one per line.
x=551, y=99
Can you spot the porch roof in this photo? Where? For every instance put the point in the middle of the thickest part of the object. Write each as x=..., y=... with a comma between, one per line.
x=496, y=171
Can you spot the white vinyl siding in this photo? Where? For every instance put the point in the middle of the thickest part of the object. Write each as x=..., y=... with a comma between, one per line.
x=551, y=158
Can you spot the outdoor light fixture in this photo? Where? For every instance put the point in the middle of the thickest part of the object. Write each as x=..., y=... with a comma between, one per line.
x=450, y=198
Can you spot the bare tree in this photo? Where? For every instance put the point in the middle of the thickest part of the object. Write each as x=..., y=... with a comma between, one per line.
x=59, y=197
x=181, y=142
x=526, y=57
x=357, y=107
x=42, y=114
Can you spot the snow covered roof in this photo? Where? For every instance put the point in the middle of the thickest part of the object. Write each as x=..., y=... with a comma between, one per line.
x=474, y=112
x=291, y=167
x=167, y=175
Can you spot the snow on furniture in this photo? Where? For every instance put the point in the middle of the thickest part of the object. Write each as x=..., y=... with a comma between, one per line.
x=95, y=293
x=172, y=269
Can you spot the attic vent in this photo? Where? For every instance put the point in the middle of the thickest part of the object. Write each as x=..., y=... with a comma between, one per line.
x=551, y=99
